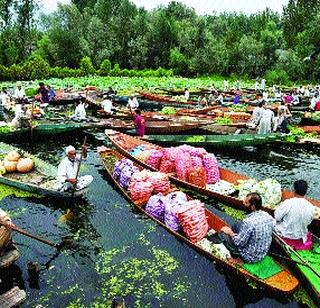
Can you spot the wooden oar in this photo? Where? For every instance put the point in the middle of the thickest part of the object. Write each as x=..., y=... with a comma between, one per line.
x=288, y=247
x=79, y=165
x=36, y=237
x=64, y=243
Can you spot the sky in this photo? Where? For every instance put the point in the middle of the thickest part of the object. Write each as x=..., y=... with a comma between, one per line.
x=201, y=6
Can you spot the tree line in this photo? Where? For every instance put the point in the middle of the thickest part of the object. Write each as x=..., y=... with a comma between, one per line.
x=105, y=36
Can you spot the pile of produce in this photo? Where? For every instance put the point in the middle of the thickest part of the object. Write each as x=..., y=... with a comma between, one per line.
x=269, y=189
x=14, y=162
x=193, y=220
x=190, y=164
x=144, y=183
x=223, y=121
x=168, y=110
x=123, y=171
x=196, y=139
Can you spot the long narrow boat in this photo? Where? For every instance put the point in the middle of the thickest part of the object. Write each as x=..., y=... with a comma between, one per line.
x=125, y=143
x=214, y=140
x=158, y=127
x=281, y=281
x=41, y=180
x=9, y=257
x=309, y=279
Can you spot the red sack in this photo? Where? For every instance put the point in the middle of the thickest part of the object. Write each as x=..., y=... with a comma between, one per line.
x=193, y=220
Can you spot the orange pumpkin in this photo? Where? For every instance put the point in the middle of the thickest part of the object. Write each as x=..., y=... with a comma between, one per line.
x=11, y=166
x=24, y=165
x=13, y=156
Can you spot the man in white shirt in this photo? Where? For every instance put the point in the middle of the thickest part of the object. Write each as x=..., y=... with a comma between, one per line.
x=294, y=215
x=313, y=102
x=67, y=171
x=226, y=85
x=80, y=112
x=186, y=94
x=20, y=94
x=133, y=102
x=107, y=105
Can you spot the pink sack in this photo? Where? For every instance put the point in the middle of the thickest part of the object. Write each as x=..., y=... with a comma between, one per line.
x=211, y=165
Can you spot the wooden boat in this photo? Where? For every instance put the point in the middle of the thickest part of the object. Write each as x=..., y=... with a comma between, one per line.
x=282, y=281
x=158, y=127
x=12, y=298
x=125, y=143
x=214, y=140
x=310, y=280
x=10, y=256
x=41, y=180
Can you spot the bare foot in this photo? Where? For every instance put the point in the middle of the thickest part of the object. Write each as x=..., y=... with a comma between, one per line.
x=235, y=261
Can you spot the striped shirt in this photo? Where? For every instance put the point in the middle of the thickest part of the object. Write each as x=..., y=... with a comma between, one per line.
x=254, y=238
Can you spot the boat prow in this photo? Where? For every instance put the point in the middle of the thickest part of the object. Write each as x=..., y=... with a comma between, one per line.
x=9, y=257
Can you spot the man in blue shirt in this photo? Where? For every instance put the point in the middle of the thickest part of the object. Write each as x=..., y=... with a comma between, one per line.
x=251, y=239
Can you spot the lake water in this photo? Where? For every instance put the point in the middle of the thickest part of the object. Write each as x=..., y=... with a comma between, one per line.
x=115, y=250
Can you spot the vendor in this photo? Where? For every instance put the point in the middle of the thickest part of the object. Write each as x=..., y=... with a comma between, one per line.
x=293, y=216
x=22, y=118
x=80, y=112
x=133, y=102
x=251, y=239
x=107, y=104
x=67, y=171
x=139, y=123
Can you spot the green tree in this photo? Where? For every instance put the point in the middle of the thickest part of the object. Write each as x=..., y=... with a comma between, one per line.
x=86, y=66
x=105, y=68
x=35, y=67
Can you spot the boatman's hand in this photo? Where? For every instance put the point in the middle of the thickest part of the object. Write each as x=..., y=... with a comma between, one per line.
x=227, y=231
x=84, y=150
x=9, y=224
x=73, y=181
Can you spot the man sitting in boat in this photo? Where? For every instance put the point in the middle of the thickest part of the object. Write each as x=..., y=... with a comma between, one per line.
x=202, y=102
x=293, y=216
x=80, y=113
x=67, y=171
x=107, y=104
x=133, y=102
x=22, y=118
x=5, y=231
x=251, y=239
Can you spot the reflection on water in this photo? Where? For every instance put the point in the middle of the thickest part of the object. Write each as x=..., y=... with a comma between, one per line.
x=114, y=250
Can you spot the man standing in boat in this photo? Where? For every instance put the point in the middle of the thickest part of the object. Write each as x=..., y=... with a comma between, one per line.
x=68, y=169
x=251, y=239
x=293, y=216
x=139, y=123
x=5, y=231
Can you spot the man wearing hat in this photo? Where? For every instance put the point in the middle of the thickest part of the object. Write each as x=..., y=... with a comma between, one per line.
x=67, y=171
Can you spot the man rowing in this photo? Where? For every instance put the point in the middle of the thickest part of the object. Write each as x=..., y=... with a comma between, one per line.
x=5, y=231
x=293, y=216
x=68, y=169
x=251, y=239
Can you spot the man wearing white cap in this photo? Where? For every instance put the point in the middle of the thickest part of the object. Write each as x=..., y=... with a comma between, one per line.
x=67, y=171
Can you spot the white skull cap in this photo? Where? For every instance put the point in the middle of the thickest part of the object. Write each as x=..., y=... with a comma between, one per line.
x=70, y=148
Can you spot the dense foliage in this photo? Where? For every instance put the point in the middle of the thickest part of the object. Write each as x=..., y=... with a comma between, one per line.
x=115, y=37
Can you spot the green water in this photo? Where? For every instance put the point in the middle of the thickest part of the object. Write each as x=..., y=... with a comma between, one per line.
x=116, y=251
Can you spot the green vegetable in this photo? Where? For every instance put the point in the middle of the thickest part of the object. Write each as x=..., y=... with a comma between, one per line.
x=223, y=121
x=168, y=110
x=196, y=139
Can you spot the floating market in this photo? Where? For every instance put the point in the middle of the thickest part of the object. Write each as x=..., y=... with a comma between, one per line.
x=160, y=157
